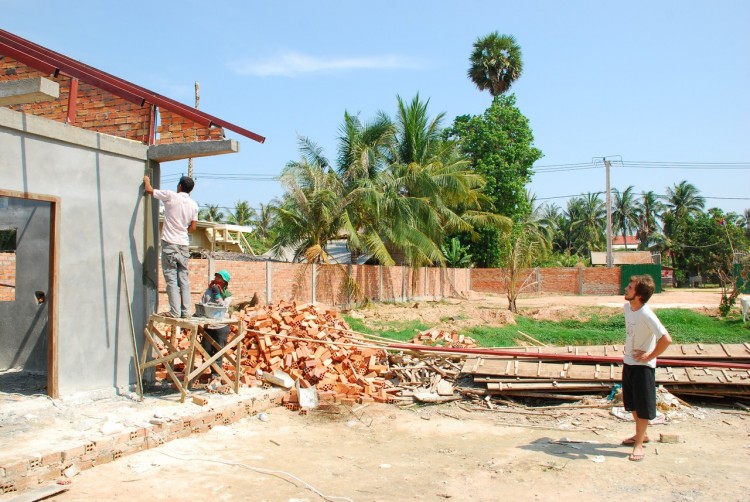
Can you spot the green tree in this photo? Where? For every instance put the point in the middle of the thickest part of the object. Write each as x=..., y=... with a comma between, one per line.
x=211, y=213
x=524, y=243
x=648, y=209
x=587, y=215
x=496, y=63
x=425, y=192
x=624, y=215
x=312, y=210
x=265, y=220
x=499, y=146
x=243, y=214
x=456, y=255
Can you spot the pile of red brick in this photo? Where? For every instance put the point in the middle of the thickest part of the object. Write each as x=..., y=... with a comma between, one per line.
x=316, y=347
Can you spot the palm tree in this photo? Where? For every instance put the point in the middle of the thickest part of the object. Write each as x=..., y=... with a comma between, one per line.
x=648, y=209
x=312, y=211
x=265, y=221
x=588, y=220
x=624, y=217
x=684, y=200
x=495, y=63
x=243, y=214
x=211, y=213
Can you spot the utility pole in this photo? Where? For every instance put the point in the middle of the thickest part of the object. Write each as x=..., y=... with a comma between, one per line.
x=197, y=100
x=609, y=215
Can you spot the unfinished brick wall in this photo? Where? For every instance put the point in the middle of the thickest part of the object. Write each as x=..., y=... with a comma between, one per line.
x=558, y=280
x=101, y=111
x=294, y=281
x=176, y=129
x=7, y=277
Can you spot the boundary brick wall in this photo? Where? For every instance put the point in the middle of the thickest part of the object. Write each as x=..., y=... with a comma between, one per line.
x=554, y=280
x=101, y=111
x=295, y=282
x=7, y=277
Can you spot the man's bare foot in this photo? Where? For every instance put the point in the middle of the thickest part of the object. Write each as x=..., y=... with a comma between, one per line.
x=637, y=455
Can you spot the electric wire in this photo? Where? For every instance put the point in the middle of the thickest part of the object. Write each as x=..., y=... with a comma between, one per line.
x=279, y=474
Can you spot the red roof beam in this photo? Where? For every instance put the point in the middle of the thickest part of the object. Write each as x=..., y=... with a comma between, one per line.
x=28, y=60
x=119, y=86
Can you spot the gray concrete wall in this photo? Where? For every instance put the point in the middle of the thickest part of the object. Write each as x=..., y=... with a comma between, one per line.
x=98, y=181
x=23, y=322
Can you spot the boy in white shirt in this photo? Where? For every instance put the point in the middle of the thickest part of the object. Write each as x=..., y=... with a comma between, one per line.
x=645, y=339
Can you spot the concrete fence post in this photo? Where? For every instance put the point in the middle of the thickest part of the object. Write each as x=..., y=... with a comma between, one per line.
x=349, y=290
x=380, y=283
x=269, y=277
x=538, y=280
x=580, y=280
x=403, y=283
x=313, y=281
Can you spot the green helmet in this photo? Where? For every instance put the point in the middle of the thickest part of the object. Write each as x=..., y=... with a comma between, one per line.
x=224, y=275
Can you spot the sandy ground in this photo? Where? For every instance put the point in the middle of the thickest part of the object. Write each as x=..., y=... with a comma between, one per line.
x=456, y=451
x=489, y=309
x=384, y=453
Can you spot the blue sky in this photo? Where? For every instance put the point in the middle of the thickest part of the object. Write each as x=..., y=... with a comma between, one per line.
x=663, y=86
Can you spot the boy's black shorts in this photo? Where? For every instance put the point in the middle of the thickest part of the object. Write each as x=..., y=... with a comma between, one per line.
x=639, y=390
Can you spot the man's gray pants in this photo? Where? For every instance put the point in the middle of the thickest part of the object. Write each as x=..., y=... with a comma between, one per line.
x=174, y=266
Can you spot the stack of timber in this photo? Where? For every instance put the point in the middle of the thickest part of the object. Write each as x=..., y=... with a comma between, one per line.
x=689, y=369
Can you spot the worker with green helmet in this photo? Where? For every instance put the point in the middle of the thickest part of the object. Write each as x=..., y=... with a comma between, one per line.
x=217, y=291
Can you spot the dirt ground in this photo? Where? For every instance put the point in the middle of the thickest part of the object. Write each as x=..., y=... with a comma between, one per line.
x=446, y=452
x=456, y=451
x=489, y=309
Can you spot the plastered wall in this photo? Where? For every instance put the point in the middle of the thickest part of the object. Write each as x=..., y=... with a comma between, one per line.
x=97, y=180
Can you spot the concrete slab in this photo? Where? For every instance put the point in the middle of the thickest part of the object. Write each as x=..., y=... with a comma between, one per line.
x=28, y=90
x=179, y=151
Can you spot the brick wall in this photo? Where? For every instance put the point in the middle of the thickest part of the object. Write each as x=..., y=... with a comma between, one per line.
x=558, y=280
x=101, y=111
x=7, y=277
x=294, y=281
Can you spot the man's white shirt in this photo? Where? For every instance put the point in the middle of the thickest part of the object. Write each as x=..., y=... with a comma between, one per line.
x=642, y=330
x=179, y=212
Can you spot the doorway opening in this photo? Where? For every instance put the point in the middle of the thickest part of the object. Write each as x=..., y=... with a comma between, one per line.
x=28, y=352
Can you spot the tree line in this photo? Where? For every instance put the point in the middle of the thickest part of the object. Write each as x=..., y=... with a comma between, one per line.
x=409, y=189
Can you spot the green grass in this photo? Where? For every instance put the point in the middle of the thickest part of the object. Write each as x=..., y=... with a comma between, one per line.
x=685, y=326
x=397, y=330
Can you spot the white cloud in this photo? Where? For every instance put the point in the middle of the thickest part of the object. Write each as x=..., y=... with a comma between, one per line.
x=292, y=64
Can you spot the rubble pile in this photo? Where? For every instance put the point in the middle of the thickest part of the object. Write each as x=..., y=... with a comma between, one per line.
x=315, y=347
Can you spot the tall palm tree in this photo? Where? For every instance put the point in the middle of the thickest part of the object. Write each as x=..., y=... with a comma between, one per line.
x=684, y=199
x=243, y=214
x=648, y=209
x=495, y=63
x=588, y=220
x=211, y=213
x=624, y=217
x=312, y=211
x=265, y=221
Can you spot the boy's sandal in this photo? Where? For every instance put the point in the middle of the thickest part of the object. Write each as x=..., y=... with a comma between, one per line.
x=631, y=441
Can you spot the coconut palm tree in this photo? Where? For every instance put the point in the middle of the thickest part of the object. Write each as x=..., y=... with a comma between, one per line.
x=648, y=209
x=312, y=211
x=684, y=199
x=624, y=217
x=211, y=213
x=265, y=221
x=243, y=214
x=495, y=63
x=588, y=220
